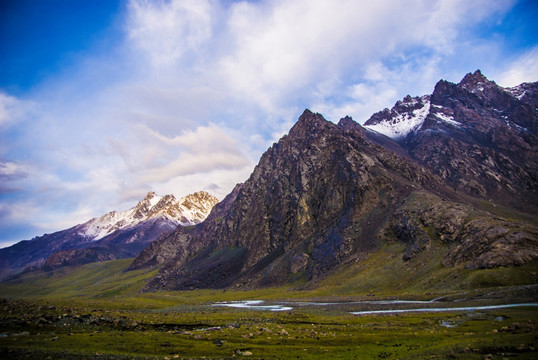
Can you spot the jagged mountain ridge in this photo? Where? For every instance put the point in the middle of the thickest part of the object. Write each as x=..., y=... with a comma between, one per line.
x=479, y=137
x=189, y=210
x=111, y=236
x=326, y=195
x=408, y=115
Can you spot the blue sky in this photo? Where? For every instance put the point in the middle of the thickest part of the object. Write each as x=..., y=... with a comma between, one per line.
x=103, y=101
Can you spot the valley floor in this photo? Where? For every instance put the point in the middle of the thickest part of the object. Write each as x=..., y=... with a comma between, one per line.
x=66, y=318
x=91, y=331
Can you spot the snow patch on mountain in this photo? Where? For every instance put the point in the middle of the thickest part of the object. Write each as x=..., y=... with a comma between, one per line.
x=517, y=91
x=448, y=119
x=189, y=210
x=154, y=200
x=405, y=122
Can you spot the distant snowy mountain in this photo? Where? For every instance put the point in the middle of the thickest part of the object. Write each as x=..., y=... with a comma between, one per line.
x=112, y=236
x=189, y=210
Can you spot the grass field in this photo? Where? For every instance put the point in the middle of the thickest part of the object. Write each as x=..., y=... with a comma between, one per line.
x=97, y=312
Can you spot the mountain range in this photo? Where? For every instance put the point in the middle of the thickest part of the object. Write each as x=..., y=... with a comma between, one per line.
x=115, y=235
x=448, y=179
x=449, y=176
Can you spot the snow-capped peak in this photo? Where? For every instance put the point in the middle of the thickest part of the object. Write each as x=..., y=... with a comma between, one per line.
x=189, y=210
x=405, y=117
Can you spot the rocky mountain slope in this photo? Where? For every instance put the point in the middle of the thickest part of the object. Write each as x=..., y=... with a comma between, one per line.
x=482, y=139
x=111, y=236
x=327, y=195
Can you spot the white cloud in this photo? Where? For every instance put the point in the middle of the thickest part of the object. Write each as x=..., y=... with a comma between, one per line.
x=52, y=223
x=219, y=182
x=6, y=104
x=11, y=170
x=196, y=151
x=167, y=30
x=522, y=69
x=12, y=110
x=281, y=53
x=191, y=151
x=193, y=164
x=18, y=212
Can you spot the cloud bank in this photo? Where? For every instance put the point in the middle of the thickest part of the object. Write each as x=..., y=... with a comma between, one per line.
x=195, y=91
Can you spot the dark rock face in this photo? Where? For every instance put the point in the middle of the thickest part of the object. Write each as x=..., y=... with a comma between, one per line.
x=488, y=244
x=474, y=238
x=170, y=246
x=411, y=233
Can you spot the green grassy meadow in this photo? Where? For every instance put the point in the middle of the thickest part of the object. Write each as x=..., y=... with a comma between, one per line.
x=98, y=312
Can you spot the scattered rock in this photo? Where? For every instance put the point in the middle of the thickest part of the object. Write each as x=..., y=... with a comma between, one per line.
x=218, y=342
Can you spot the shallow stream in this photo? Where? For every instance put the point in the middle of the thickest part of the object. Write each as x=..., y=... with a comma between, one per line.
x=290, y=305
